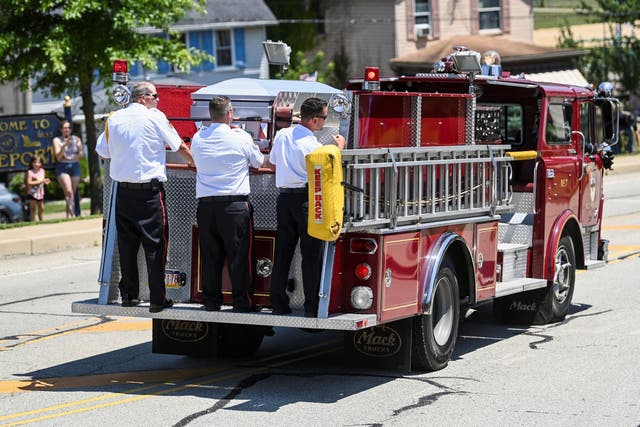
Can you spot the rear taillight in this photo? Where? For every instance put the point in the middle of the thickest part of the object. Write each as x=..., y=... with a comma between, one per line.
x=16, y=199
x=363, y=271
x=365, y=245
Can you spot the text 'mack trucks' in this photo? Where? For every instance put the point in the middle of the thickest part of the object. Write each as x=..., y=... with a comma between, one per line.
x=459, y=189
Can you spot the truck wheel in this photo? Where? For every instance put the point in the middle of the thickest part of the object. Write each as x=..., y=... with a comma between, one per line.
x=435, y=334
x=547, y=305
x=240, y=341
x=557, y=300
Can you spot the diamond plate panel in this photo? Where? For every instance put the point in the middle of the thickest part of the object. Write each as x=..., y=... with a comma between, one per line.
x=514, y=264
x=515, y=233
x=181, y=212
x=523, y=202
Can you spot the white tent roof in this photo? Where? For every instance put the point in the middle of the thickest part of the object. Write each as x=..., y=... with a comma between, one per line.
x=572, y=77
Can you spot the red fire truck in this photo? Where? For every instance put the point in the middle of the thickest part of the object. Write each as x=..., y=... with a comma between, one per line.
x=459, y=189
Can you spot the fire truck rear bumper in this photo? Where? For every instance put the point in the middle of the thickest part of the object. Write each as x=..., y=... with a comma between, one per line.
x=193, y=312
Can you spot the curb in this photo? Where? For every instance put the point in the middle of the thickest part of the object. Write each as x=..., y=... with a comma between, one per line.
x=46, y=238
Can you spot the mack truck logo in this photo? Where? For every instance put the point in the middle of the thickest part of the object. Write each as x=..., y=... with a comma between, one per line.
x=184, y=331
x=520, y=306
x=379, y=341
x=318, y=216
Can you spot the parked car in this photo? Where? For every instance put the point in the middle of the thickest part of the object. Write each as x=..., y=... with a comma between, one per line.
x=11, y=209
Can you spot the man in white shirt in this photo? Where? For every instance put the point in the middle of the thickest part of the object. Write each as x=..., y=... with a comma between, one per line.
x=134, y=139
x=290, y=147
x=225, y=216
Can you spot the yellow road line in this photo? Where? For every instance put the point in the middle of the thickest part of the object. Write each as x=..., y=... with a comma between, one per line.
x=621, y=227
x=242, y=372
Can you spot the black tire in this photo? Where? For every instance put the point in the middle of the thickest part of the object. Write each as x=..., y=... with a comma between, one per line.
x=435, y=334
x=239, y=341
x=4, y=218
x=547, y=305
x=557, y=300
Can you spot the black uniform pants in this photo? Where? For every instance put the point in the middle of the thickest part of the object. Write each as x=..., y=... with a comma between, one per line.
x=292, y=210
x=141, y=218
x=225, y=231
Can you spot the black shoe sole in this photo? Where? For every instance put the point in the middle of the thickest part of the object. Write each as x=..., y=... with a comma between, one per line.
x=131, y=303
x=156, y=308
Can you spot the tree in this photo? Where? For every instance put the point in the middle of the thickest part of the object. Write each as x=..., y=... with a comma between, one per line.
x=617, y=57
x=66, y=46
x=300, y=65
x=299, y=22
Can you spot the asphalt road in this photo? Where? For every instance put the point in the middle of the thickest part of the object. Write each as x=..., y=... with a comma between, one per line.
x=59, y=368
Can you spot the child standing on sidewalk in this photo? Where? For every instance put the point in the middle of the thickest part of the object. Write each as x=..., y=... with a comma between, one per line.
x=35, y=187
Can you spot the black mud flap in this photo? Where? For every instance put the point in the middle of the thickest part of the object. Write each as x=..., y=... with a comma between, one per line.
x=385, y=347
x=185, y=337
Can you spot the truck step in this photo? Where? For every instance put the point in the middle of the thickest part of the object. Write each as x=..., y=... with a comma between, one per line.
x=518, y=285
x=594, y=263
x=195, y=313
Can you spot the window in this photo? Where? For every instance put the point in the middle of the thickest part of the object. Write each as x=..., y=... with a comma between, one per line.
x=499, y=122
x=559, y=121
x=223, y=54
x=489, y=14
x=422, y=18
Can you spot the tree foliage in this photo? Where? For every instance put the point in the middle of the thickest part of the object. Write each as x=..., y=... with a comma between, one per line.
x=616, y=58
x=67, y=46
x=299, y=21
x=300, y=65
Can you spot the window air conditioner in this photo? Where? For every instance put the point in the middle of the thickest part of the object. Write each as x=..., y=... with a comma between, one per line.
x=423, y=30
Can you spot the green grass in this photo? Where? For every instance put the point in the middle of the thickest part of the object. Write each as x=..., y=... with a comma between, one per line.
x=60, y=206
x=555, y=20
x=48, y=221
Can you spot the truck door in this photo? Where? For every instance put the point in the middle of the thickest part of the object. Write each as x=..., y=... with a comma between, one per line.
x=561, y=161
x=591, y=181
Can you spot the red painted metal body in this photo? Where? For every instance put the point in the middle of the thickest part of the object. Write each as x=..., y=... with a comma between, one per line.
x=564, y=190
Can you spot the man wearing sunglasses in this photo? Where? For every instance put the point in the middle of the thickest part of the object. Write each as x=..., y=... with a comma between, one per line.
x=290, y=146
x=134, y=139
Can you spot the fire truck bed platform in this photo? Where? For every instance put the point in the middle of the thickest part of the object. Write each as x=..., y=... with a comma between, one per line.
x=195, y=312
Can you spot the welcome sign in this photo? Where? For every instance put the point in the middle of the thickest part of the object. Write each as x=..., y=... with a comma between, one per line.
x=23, y=136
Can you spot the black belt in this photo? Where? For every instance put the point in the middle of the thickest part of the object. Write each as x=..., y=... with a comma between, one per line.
x=224, y=199
x=301, y=190
x=140, y=185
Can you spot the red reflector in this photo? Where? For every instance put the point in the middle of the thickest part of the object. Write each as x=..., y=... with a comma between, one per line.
x=363, y=246
x=363, y=271
x=120, y=66
x=371, y=74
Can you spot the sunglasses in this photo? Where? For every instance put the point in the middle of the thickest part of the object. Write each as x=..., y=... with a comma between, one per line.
x=322, y=117
x=153, y=95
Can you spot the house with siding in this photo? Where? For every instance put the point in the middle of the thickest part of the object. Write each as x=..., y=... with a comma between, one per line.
x=231, y=31
x=373, y=32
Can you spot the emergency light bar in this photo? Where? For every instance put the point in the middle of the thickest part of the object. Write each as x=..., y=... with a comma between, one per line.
x=371, y=78
x=120, y=71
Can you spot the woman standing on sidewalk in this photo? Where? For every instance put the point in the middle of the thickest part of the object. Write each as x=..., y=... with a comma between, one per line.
x=68, y=150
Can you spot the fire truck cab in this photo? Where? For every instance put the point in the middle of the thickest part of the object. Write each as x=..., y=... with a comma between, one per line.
x=459, y=189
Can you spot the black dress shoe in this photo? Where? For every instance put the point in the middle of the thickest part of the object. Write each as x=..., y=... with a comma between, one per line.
x=130, y=302
x=156, y=308
x=281, y=312
x=253, y=309
x=212, y=307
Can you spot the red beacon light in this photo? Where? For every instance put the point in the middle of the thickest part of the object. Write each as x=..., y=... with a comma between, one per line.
x=371, y=78
x=120, y=71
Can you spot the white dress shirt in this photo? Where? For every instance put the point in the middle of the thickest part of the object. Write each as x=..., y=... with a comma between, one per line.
x=290, y=146
x=223, y=156
x=136, y=143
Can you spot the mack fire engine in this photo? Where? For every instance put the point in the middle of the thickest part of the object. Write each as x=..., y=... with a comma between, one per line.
x=457, y=188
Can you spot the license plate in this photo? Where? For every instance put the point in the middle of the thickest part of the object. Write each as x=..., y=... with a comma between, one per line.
x=174, y=278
